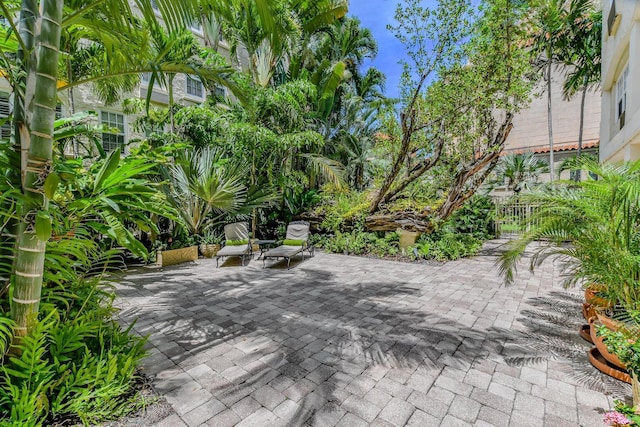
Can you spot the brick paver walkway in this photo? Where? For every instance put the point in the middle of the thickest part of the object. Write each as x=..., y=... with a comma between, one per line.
x=350, y=341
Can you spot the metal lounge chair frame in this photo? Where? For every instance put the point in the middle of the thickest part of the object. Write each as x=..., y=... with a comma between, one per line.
x=236, y=231
x=296, y=230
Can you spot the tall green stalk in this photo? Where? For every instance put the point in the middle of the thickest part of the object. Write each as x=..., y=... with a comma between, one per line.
x=36, y=140
x=549, y=115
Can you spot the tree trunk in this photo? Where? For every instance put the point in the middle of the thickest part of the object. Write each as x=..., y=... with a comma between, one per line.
x=550, y=118
x=40, y=103
x=170, y=90
x=578, y=176
x=391, y=221
x=8, y=233
x=407, y=133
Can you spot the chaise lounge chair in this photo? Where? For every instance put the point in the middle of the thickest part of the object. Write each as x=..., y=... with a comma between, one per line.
x=236, y=243
x=296, y=242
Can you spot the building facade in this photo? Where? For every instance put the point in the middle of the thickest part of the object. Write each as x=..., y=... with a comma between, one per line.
x=530, y=133
x=620, y=118
x=187, y=90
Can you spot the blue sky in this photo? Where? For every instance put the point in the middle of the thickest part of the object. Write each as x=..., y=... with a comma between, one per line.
x=375, y=15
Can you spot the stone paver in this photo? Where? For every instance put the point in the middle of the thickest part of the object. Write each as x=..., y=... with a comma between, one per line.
x=348, y=341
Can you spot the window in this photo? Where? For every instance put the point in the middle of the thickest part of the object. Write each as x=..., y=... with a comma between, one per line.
x=145, y=78
x=5, y=111
x=218, y=92
x=621, y=96
x=154, y=5
x=151, y=128
x=59, y=114
x=113, y=138
x=194, y=87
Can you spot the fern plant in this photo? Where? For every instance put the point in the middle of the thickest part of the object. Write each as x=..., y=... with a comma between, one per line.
x=79, y=368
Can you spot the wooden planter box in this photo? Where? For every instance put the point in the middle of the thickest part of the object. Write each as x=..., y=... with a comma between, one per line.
x=177, y=256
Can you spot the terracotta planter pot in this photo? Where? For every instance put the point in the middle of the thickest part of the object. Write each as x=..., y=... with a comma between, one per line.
x=603, y=366
x=588, y=311
x=591, y=297
x=585, y=333
x=614, y=325
x=602, y=347
x=177, y=256
x=209, y=250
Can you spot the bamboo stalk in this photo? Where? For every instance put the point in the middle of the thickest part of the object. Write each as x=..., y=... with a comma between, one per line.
x=40, y=102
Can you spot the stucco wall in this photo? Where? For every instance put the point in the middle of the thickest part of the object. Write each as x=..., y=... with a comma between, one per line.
x=530, y=130
x=622, y=48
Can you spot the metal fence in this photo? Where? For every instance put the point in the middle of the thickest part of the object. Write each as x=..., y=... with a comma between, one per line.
x=513, y=217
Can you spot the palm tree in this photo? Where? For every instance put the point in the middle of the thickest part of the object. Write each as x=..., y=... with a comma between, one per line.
x=177, y=47
x=519, y=171
x=340, y=53
x=204, y=187
x=583, y=47
x=296, y=22
x=243, y=29
x=551, y=20
x=592, y=225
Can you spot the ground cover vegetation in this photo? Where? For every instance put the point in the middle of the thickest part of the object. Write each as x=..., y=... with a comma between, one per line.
x=303, y=132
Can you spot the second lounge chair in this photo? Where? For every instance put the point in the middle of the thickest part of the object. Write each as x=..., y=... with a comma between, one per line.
x=296, y=242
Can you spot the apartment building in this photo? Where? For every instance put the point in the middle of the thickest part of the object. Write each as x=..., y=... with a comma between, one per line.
x=530, y=126
x=620, y=119
x=187, y=90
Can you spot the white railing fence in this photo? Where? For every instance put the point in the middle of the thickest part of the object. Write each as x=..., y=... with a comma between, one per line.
x=512, y=216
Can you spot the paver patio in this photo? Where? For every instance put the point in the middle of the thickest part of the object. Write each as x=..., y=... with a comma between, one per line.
x=350, y=341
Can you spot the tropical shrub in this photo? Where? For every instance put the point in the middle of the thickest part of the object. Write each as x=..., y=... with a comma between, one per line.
x=342, y=210
x=357, y=242
x=460, y=236
x=475, y=217
x=446, y=245
x=593, y=226
x=76, y=365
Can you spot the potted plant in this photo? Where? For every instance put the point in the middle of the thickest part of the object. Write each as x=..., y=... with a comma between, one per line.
x=593, y=227
x=624, y=343
x=210, y=243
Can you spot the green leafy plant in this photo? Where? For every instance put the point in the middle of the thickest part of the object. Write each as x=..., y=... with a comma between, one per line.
x=593, y=226
x=212, y=237
x=447, y=245
x=475, y=217
x=359, y=243
x=75, y=365
x=623, y=415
